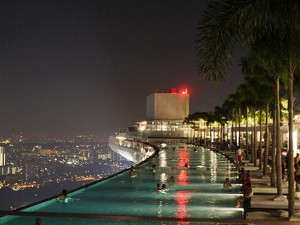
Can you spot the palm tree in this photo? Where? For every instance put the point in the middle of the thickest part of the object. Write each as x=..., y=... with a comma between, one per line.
x=207, y=117
x=226, y=23
x=240, y=97
x=246, y=104
x=267, y=70
x=232, y=105
x=221, y=120
x=264, y=77
x=227, y=108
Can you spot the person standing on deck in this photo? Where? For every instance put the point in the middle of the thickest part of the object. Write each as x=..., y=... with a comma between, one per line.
x=239, y=158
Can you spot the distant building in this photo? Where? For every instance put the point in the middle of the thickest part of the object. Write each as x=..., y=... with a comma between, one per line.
x=37, y=148
x=46, y=152
x=85, y=154
x=8, y=169
x=105, y=156
x=172, y=105
x=2, y=156
x=29, y=167
x=165, y=115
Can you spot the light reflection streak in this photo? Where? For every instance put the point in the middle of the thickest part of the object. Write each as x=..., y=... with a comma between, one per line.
x=162, y=158
x=183, y=177
x=184, y=158
x=181, y=198
x=163, y=177
x=213, y=170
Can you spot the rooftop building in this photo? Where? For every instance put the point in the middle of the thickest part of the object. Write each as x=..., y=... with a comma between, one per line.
x=168, y=105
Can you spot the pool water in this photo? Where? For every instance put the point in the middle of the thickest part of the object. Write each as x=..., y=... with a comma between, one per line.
x=194, y=179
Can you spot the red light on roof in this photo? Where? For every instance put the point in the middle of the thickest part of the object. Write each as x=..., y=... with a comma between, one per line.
x=184, y=91
x=173, y=91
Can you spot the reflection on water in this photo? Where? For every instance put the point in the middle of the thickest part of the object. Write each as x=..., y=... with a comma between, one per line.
x=183, y=177
x=184, y=160
x=181, y=198
x=213, y=170
x=162, y=158
x=183, y=157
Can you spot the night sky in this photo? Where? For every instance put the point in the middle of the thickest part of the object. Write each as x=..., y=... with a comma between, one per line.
x=74, y=67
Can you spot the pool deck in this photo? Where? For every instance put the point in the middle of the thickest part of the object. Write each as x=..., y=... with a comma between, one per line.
x=265, y=205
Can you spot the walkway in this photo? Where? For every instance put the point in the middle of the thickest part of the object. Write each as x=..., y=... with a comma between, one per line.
x=264, y=201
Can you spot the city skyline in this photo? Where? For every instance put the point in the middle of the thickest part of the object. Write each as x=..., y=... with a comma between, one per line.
x=31, y=171
x=87, y=66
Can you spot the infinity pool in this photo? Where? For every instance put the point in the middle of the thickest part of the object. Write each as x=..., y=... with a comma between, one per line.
x=194, y=179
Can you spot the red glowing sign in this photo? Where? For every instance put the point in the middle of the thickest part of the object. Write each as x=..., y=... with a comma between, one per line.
x=184, y=91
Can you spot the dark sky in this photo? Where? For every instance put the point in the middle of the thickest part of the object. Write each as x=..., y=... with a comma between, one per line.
x=73, y=67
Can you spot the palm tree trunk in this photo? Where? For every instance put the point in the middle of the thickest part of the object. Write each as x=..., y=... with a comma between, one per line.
x=231, y=139
x=252, y=137
x=255, y=140
x=291, y=175
x=236, y=133
x=274, y=141
x=267, y=142
x=223, y=134
x=247, y=144
x=239, y=121
x=278, y=145
x=206, y=133
x=260, y=139
x=219, y=135
x=210, y=136
x=202, y=133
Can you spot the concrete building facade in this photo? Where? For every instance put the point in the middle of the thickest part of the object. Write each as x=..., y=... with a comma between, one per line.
x=170, y=105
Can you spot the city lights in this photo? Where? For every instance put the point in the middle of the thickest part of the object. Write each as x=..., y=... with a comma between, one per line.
x=69, y=161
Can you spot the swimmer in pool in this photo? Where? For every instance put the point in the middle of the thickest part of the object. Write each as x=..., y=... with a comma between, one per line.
x=227, y=183
x=63, y=197
x=163, y=189
x=132, y=172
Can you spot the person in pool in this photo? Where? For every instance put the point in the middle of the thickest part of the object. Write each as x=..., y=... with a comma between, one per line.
x=158, y=187
x=247, y=195
x=132, y=172
x=161, y=188
x=227, y=183
x=63, y=196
